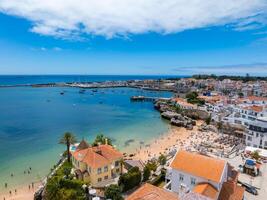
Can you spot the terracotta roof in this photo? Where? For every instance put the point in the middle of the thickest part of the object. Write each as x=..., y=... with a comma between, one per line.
x=97, y=156
x=199, y=165
x=255, y=98
x=231, y=191
x=194, y=196
x=183, y=102
x=206, y=189
x=254, y=108
x=150, y=192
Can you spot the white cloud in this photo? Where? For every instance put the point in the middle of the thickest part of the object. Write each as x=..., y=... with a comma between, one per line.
x=110, y=18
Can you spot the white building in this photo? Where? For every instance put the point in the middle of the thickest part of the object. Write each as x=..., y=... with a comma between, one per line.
x=202, y=176
x=197, y=173
x=256, y=135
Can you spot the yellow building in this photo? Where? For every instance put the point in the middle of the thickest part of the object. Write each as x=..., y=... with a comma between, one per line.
x=99, y=165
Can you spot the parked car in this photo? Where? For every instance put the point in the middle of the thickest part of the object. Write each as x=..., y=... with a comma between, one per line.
x=249, y=188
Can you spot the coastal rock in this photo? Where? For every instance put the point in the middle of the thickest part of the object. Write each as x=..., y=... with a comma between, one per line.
x=169, y=115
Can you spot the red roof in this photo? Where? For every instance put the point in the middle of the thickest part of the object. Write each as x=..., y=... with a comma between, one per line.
x=150, y=192
x=97, y=156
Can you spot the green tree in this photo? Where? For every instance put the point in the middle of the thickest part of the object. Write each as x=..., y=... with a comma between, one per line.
x=152, y=165
x=191, y=95
x=255, y=155
x=68, y=138
x=101, y=139
x=162, y=159
x=67, y=171
x=130, y=179
x=146, y=173
x=113, y=192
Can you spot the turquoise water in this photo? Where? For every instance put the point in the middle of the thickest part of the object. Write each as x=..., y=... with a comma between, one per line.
x=33, y=119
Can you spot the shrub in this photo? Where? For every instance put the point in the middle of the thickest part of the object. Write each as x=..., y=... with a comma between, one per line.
x=131, y=179
x=113, y=192
x=162, y=159
x=101, y=139
x=60, y=188
x=152, y=165
x=146, y=173
x=255, y=155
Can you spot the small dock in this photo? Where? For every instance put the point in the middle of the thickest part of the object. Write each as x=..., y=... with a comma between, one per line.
x=144, y=98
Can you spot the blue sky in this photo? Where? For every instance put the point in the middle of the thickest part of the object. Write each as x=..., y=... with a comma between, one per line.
x=59, y=42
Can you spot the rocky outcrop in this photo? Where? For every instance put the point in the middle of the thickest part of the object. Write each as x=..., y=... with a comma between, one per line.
x=182, y=121
x=169, y=115
x=205, y=127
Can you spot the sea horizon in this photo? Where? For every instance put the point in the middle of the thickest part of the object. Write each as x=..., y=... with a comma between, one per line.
x=54, y=78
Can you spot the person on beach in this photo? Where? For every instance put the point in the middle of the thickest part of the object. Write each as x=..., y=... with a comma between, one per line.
x=29, y=187
x=10, y=193
x=5, y=185
x=12, y=174
x=15, y=191
x=32, y=185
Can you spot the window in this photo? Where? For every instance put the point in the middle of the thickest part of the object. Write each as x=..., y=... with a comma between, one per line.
x=99, y=170
x=116, y=163
x=193, y=181
x=249, y=138
x=181, y=177
x=99, y=179
x=106, y=177
x=105, y=168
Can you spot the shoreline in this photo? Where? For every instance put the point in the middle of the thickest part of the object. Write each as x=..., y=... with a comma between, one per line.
x=159, y=144
x=175, y=137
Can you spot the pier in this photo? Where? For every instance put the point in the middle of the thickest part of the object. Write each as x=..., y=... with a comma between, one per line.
x=144, y=98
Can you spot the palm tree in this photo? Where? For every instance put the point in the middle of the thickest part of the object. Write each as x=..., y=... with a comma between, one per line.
x=68, y=138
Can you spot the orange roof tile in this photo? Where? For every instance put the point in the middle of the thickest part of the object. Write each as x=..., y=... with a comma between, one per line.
x=97, y=156
x=254, y=108
x=206, y=189
x=199, y=165
x=183, y=102
x=231, y=191
x=150, y=192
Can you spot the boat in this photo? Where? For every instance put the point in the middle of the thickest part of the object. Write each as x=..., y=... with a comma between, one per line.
x=62, y=93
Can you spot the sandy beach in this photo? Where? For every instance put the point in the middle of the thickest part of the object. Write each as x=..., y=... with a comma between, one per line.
x=22, y=193
x=177, y=137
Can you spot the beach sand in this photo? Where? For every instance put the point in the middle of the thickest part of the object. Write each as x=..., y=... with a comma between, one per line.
x=177, y=137
x=22, y=193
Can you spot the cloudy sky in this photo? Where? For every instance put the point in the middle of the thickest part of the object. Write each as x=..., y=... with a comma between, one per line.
x=171, y=37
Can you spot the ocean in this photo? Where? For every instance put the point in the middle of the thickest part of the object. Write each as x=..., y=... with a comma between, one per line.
x=33, y=119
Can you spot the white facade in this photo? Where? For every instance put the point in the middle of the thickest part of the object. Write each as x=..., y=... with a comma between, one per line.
x=182, y=182
x=256, y=135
